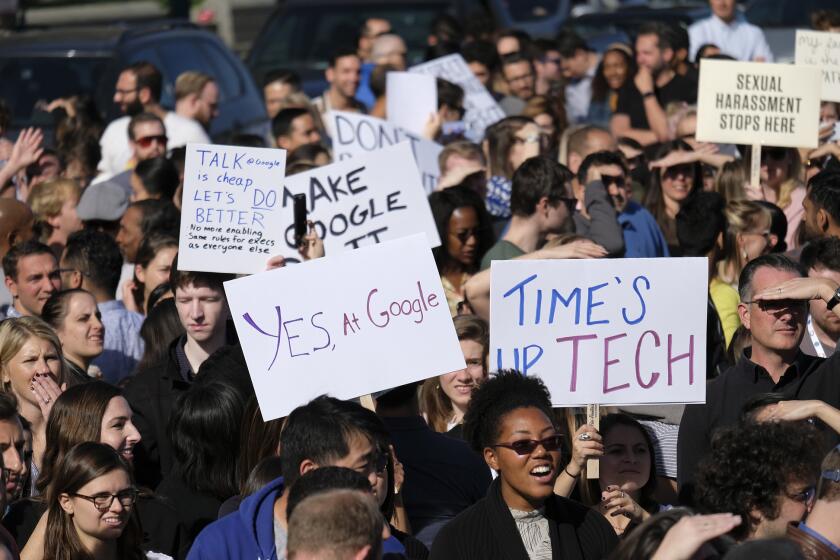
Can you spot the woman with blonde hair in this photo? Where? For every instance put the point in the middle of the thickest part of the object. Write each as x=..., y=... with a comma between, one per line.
x=444, y=399
x=32, y=369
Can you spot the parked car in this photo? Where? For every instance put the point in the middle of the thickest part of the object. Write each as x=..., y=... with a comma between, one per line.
x=42, y=65
x=779, y=19
x=301, y=34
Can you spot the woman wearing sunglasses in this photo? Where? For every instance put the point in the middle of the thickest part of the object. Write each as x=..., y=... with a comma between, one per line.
x=465, y=235
x=676, y=174
x=91, y=507
x=510, y=423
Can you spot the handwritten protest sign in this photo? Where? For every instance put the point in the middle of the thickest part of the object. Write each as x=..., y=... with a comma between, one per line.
x=815, y=48
x=758, y=103
x=481, y=109
x=230, y=207
x=354, y=135
x=617, y=331
x=411, y=100
x=347, y=325
x=361, y=201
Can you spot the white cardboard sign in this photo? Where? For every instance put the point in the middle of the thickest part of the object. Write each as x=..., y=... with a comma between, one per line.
x=346, y=325
x=354, y=135
x=411, y=100
x=230, y=208
x=481, y=109
x=361, y=201
x=611, y=331
x=758, y=103
x=821, y=49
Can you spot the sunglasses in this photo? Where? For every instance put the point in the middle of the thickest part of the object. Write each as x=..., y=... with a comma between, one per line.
x=464, y=235
x=685, y=170
x=804, y=497
x=617, y=180
x=777, y=305
x=146, y=141
x=816, y=162
x=527, y=446
x=776, y=154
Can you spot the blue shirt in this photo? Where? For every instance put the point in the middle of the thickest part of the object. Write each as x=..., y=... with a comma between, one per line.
x=805, y=529
x=363, y=93
x=123, y=345
x=643, y=237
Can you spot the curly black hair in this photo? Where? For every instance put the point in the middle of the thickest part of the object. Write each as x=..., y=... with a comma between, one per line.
x=504, y=392
x=750, y=467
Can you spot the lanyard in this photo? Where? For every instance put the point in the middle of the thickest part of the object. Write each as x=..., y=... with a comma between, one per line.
x=815, y=339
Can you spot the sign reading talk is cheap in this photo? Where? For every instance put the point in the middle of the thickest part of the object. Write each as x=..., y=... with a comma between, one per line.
x=355, y=135
x=617, y=331
x=758, y=103
x=231, y=204
x=360, y=201
x=346, y=325
x=815, y=48
x=481, y=109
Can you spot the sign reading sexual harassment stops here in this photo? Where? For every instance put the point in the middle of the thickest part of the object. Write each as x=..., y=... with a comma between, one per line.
x=758, y=103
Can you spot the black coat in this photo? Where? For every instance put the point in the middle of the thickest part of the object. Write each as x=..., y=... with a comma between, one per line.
x=487, y=531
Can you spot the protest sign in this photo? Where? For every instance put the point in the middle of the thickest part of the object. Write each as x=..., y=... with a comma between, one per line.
x=230, y=208
x=821, y=49
x=354, y=135
x=411, y=100
x=612, y=331
x=758, y=103
x=346, y=325
x=481, y=109
x=360, y=201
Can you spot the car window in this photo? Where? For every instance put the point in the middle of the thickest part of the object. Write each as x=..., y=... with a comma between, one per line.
x=227, y=75
x=24, y=81
x=305, y=36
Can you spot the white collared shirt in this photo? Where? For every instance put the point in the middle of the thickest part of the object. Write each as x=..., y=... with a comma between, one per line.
x=738, y=38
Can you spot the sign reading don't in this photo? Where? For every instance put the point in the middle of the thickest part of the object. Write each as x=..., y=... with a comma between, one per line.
x=758, y=103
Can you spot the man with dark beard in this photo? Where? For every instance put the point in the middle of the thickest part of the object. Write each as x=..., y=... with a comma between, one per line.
x=138, y=90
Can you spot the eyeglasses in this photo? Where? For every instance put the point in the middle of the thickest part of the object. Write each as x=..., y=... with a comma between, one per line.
x=464, y=235
x=685, y=170
x=527, y=446
x=551, y=60
x=146, y=141
x=833, y=475
x=617, y=180
x=804, y=497
x=125, y=91
x=777, y=305
x=103, y=501
x=776, y=154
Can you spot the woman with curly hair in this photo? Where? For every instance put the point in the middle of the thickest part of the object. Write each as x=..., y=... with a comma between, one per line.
x=509, y=422
x=764, y=472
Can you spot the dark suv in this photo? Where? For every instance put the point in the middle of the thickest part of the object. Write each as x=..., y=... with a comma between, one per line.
x=46, y=64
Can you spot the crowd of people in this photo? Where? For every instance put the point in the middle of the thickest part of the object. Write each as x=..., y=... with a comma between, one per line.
x=129, y=426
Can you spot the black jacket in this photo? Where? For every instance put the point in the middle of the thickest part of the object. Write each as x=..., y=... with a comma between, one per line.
x=487, y=531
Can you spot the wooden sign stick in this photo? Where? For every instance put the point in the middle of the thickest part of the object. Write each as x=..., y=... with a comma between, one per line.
x=755, y=166
x=593, y=418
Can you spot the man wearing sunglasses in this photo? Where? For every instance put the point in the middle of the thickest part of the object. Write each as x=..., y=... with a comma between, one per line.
x=774, y=292
x=820, y=533
x=642, y=235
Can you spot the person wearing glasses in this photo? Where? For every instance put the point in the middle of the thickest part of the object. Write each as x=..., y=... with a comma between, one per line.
x=774, y=293
x=91, y=507
x=31, y=276
x=817, y=535
x=93, y=412
x=324, y=432
x=466, y=234
x=509, y=423
x=642, y=235
x=764, y=472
